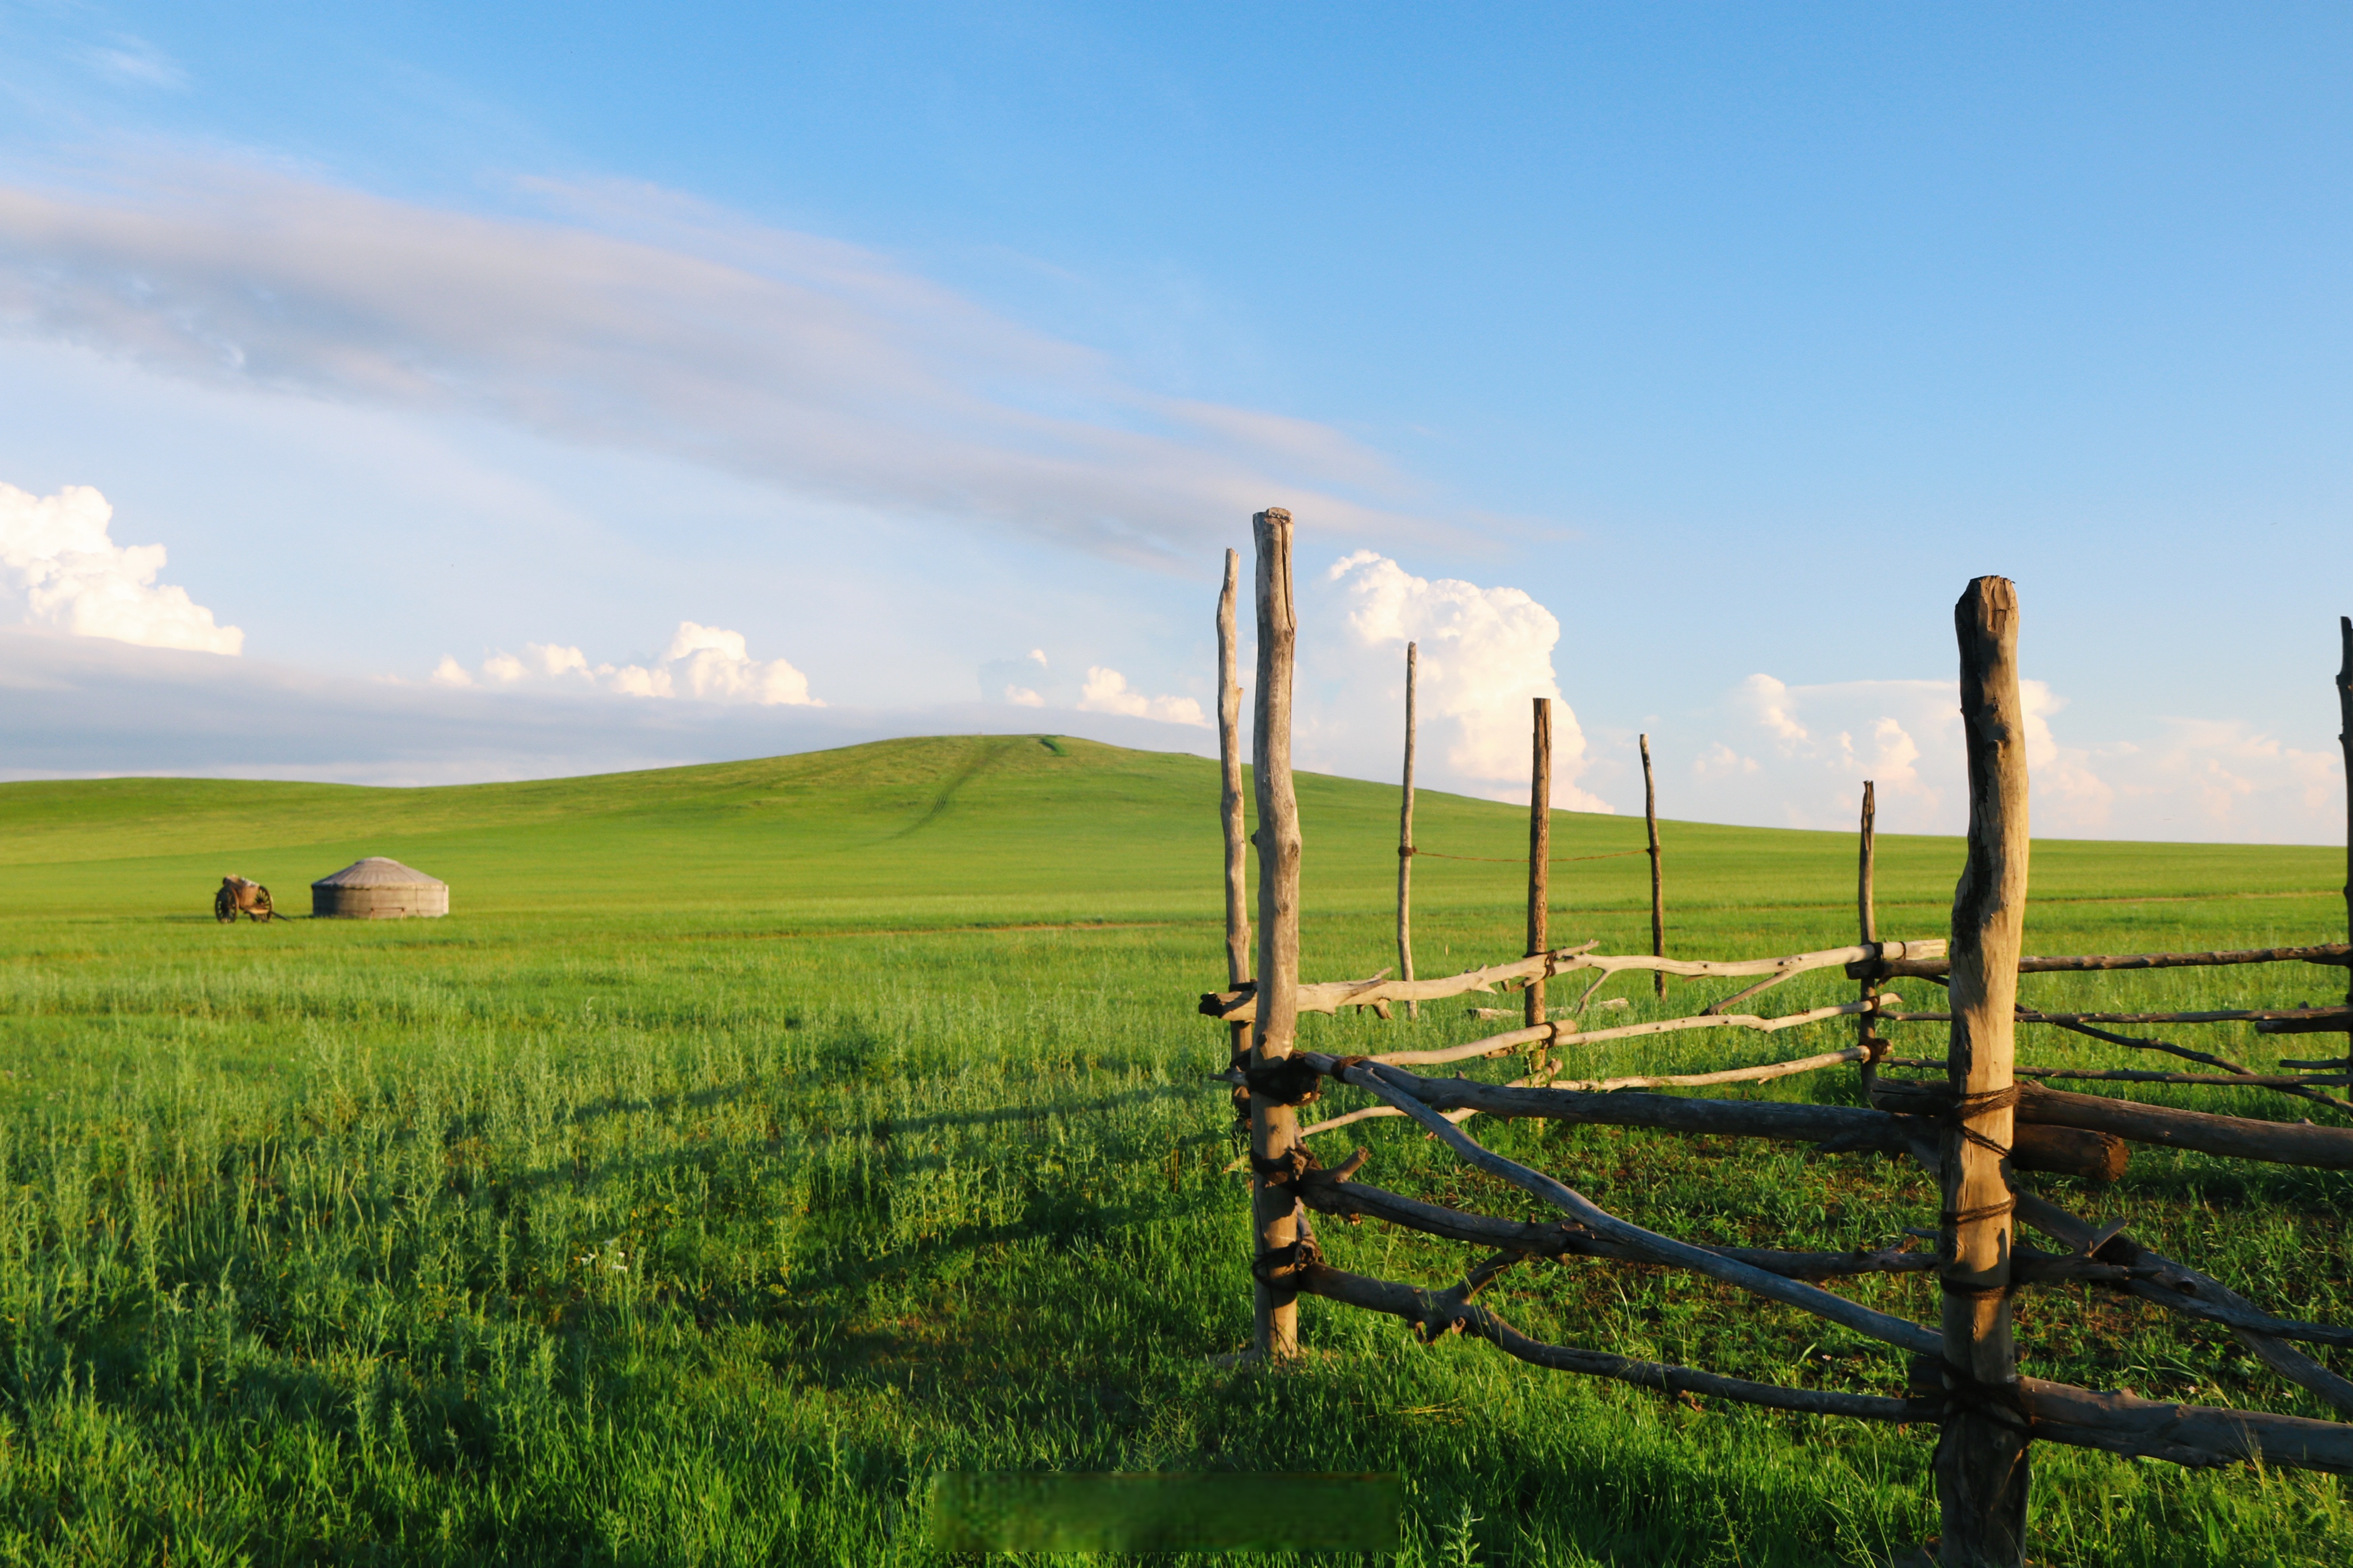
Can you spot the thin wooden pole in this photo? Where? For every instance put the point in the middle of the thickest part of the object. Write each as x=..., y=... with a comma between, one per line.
x=1274, y=1128
x=1229, y=757
x=1981, y=1453
x=1539, y=851
x=1405, y=836
x=1866, y=911
x=1658, y=882
x=2345, y=739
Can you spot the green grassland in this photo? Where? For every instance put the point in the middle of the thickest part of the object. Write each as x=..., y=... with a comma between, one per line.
x=753, y=1141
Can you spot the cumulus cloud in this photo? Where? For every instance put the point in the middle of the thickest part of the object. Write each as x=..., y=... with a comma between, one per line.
x=1106, y=691
x=646, y=322
x=1483, y=653
x=707, y=664
x=58, y=558
x=1796, y=756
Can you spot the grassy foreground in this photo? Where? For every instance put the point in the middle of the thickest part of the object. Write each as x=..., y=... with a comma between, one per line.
x=753, y=1141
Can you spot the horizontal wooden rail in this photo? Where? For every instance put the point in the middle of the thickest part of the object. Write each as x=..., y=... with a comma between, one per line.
x=2133, y=1075
x=2179, y=1288
x=1240, y=1004
x=1835, y=1129
x=1338, y=1193
x=2232, y=1137
x=1925, y=968
x=2318, y=1019
x=2194, y=1435
x=2190, y=1435
x=1562, y=1032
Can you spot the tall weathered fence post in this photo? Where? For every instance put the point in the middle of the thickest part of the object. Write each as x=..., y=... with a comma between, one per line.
x=1539, y=851
x=1866, y=911
x=1658, y=880
x=2345, y=739
x=1274, y=1128
x=1405, y=838
x=1981, y=1454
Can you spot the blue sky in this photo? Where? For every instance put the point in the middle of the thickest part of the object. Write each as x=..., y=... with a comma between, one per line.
x=902, y=341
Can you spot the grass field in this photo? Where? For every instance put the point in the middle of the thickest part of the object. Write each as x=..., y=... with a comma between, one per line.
x=753, y=1141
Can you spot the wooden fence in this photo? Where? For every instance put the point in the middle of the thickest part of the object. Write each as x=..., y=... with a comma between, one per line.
x=1981, y=1128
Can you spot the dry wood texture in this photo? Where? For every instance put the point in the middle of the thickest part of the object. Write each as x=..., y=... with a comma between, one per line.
x=1658, y=876
x=1539, y=852
x=1274, y=1128
x=2336, y=952
x=2232, y=1137
x=2194, y=1435
x=1841, y=1128
x=1559, y=1032
x=1981, y=1455
x=1330, y=995
x=1405, y=836
x=2318, y=1018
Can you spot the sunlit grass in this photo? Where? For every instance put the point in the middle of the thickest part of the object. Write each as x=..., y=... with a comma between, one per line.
x=752, y=1143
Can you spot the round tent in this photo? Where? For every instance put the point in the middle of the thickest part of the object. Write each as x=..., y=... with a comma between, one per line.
x=377, y=888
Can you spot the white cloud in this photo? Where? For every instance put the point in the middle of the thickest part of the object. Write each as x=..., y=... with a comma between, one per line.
x=1784, y=755
x=707, y=664
x=57, y=554
x=1485, y=652
x=1023, y=697
x=646, y=322
x=89, y=707
x=1106, y=692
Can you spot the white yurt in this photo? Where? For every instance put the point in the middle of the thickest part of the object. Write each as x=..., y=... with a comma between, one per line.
x=377, y=888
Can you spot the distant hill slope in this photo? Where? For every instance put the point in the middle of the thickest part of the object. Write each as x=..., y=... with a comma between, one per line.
x=967, y=829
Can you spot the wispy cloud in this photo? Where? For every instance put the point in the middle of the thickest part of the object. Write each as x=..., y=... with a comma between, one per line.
x=644, y=320
x=136, y=61
x=59, y=563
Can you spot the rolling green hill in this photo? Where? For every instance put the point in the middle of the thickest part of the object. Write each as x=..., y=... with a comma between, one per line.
x=977, y=830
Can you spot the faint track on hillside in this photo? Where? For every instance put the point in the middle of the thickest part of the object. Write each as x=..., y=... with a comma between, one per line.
x=986, y=750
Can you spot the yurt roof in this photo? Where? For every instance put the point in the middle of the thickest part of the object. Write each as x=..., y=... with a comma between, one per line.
x=378, y=871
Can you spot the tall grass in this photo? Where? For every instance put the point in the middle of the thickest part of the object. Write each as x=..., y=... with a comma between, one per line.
x=646, y=1234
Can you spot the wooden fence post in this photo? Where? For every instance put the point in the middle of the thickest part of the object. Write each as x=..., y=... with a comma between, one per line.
x=1274, y=1128
x=1539, y=852
x=1866, y=911
x=2345, y=739
x=1981, y=1453
x=1405, y=838
x=1658, y=882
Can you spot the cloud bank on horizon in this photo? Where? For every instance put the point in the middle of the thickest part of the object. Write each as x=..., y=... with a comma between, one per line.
x=1765, y=752
x=707, y=664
